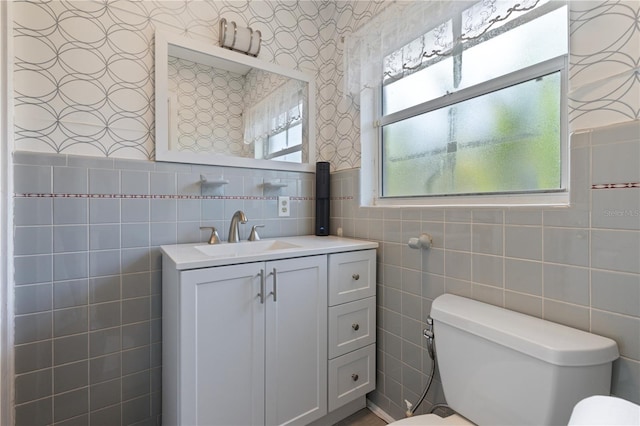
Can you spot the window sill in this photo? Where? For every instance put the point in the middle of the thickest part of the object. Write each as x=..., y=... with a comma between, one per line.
x=557, y=199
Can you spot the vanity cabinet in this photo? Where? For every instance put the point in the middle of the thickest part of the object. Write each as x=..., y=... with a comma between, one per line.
x=250, y=345
x=281, y=332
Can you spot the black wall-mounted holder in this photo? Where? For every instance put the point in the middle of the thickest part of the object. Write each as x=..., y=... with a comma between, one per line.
x=323, y=198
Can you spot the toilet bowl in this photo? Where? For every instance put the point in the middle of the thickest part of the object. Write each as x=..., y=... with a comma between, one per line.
x=595, y=410
x=503, y=367
x=605, y=410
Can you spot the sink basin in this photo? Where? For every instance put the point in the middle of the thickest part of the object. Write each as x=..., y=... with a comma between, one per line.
x=245, y=248
x=202, y=255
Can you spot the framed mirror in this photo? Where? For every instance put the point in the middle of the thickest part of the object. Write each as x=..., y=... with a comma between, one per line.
x=220, y=107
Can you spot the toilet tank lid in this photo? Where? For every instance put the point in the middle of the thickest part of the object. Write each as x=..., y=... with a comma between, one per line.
x=548, y=341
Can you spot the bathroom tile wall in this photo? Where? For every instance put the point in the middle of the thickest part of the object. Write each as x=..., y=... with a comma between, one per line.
x=65, y=242
x=579, y=265
x=88, y=336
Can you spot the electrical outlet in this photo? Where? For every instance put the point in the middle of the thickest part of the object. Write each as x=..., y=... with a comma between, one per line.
x=284, y=206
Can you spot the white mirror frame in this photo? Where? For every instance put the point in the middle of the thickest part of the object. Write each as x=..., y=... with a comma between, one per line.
x=210, y=54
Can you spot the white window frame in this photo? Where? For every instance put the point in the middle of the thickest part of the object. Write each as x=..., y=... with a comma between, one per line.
x=290, y=149
x=371, y=122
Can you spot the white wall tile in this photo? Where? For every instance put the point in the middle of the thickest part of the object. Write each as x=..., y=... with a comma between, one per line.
x=523, y=303
x=566, y=283
x=616, y=292
x=615, y=250
x=564, y=313
x=623, y=329
x=625, y=381
x=488, y=270
x=523, y=242
x=568, y=246
x=458, y=265
x=457, y=236
x=523, y=276
x=487, y=239
x=615, y=208
x=616, y=162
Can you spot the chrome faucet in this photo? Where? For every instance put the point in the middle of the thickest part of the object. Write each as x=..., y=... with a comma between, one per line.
x=234, y=234
x=253, y=236
x=214, y=238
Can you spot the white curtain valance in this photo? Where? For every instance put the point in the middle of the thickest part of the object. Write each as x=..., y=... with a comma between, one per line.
x=407, y=35
x=274, y=113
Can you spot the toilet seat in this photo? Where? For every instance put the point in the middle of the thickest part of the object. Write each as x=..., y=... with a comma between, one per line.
x=433, y=420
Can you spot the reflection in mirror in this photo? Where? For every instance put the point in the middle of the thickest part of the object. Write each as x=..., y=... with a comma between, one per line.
x=222, y=107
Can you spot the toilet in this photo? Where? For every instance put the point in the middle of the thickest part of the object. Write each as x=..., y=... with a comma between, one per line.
x=500, y=367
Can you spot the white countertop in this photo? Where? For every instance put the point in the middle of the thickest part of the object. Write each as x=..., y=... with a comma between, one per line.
x=188, y=256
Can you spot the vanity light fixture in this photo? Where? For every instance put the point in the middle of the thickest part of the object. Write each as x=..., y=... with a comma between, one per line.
x=244, y=40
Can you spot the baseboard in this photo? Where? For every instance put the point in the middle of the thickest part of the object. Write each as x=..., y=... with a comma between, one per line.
x=379, y=412
x=341, y=413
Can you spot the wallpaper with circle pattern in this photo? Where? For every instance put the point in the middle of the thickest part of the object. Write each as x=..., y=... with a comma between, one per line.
x=84, y=69
x=605, y=63
x=210, y=104
x=83, y=72
x=209, y=108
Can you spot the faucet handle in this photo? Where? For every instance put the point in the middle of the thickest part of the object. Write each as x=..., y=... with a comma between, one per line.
x=214, y=238
x=253, y=236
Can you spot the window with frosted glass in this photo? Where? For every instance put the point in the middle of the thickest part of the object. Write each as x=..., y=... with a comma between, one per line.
x=286, y=145
x=474, y=106
x=285, y=141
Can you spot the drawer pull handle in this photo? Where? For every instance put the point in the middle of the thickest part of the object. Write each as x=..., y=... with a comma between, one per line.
x=355, y=326
x=354, y=377
x=355, y=276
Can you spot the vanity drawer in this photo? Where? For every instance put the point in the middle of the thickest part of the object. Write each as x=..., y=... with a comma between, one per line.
x=351, y=276
x=351, y=326
x=351, y=376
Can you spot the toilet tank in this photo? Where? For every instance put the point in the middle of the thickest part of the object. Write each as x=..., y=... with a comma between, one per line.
x=500, y=367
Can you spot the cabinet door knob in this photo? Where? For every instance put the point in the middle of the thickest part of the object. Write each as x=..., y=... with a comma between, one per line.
x=355, y=326
x=354, y=377
x=355, y=276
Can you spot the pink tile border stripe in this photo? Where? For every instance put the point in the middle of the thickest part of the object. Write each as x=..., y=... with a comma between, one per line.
x=174, y=197
x=615, y=185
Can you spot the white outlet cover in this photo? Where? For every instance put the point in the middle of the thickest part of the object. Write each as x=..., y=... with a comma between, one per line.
x=284, y=207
